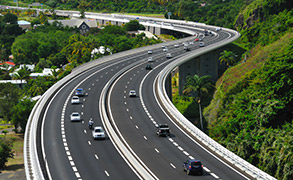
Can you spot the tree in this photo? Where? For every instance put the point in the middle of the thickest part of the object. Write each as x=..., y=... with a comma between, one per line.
x=133, y=25
x=22, y=74
x=197, y=86
x=10, y=18
x=9, y=97
x=228, y=57
x=21, y=113
x=5, y=151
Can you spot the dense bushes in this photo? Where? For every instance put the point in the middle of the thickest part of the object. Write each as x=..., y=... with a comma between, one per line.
x=5, y=150
x=254, y=118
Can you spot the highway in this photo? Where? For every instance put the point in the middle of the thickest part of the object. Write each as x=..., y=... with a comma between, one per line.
x=56, y=148
x=70, y=151
x=136, y=119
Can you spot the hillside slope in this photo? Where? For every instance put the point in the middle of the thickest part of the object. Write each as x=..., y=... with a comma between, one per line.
x=252, y=110
x=251, y=113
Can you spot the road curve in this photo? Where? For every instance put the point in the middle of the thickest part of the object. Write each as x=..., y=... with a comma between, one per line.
x=67, y=151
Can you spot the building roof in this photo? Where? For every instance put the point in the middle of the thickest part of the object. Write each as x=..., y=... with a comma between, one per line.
x=14, y=81
x=92, y=23
x=23, y=22
x=8, y=62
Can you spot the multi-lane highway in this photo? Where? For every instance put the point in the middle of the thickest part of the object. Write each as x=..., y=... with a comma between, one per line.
x=70, y=151
x=61, y=149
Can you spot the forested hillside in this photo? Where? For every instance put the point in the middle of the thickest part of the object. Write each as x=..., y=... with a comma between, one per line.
x=251, y=113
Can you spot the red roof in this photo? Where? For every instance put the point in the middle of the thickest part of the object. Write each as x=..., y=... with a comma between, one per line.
x=8, y=62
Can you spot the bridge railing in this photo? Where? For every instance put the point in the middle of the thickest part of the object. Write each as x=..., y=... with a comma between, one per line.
x=191, y=128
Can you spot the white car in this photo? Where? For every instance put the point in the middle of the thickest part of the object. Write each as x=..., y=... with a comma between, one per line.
x=150, y=52
x=75, y=116
x=176, y=45
x=165, y=50
x=201, y=44
x=163, y=46
x=75, y=100
x=132, y=93
x=168, y=55
x=150, y=59
x=191, y=42
x=98, y=133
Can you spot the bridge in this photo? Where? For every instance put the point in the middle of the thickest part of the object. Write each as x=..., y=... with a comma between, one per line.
x=56, y=148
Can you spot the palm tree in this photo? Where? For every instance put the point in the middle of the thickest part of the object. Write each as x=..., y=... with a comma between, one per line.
x=198, y=86
x=22, y=74
x=228, y=57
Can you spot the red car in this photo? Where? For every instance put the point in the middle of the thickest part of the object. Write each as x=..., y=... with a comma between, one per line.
x=196, y=39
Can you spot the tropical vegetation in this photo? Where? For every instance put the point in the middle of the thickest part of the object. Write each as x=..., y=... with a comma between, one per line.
x=196, y=87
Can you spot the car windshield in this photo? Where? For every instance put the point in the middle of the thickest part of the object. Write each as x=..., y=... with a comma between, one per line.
x=98, y=130
x=196, y=163
x=75, y=98
x=164, y=126
x=75, y=114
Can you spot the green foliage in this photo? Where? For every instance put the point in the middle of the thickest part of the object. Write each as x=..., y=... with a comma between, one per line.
x=254, y=116
x=9, y=98
x=44, y=42
x=21, y=112
x=38, y=86
x=9, y=30
x=133, y=25
x=5, y=150
x=266, y=32
x=227, y=57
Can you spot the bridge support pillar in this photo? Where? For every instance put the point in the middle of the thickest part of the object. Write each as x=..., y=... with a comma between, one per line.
x=206, y=64
x=168, y=86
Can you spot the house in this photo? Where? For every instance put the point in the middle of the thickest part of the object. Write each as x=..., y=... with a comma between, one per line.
x=46, y=72
x=24, y=25
x=84, y=25
x=19, y=83
x=7, y=65
x=30, y=67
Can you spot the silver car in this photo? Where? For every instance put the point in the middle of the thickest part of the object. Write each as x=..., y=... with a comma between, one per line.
x=132, y=93
x=75, y=100
x=98, y=133
x=75, y=116
x=150, y=59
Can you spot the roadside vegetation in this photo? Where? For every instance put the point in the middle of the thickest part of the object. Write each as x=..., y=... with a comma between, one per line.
x=49, y=46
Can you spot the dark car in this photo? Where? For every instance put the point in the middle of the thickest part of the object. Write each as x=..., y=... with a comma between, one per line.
x=192, y=166
x=148, y=67
x=163, y=130
x=79, y=92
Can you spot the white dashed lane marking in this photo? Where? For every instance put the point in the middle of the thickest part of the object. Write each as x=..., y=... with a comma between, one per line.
x=157, y=150
x=206, y=169
x=214, y=175
x=145, y=137
x=96, y=156
x=172, y=165
x=107, y=173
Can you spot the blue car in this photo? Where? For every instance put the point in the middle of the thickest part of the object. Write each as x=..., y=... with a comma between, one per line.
x=79, y=92
x=192, y=166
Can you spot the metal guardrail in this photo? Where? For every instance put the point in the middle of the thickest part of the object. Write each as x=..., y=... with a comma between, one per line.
x=186, y=124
